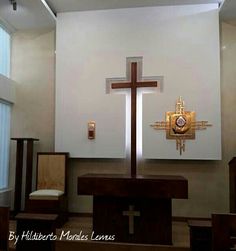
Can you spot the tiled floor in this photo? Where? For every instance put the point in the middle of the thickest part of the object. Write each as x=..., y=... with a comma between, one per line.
x=180, y=231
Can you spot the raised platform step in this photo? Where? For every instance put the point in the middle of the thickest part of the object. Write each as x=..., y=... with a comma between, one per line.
x=109, y=246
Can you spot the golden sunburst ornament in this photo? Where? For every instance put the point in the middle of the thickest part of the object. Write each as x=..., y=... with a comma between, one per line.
x=180, y=125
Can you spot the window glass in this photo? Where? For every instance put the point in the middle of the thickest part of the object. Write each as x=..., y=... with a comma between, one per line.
x=5, y=113
x=5, y=41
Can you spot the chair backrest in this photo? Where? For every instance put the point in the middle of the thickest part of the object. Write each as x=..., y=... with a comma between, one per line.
x=223, y=232
x=52, y=171
x=4, y=227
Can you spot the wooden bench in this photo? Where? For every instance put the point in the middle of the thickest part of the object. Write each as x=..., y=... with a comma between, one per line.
x=219, y=234
x=223, y=232
x=4, y=228
x=200, y=235
x=30, y=225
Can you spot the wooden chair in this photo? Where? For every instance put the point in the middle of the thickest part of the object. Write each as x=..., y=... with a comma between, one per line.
x=223, y=232
x=4, y=228
x=51, y=194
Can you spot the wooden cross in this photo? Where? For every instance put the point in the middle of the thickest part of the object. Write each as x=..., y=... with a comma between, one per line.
x=133, y=85
x=131, y=214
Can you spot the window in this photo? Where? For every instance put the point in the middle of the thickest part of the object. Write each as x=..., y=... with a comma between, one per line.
x=4, y=52
x=5, y=113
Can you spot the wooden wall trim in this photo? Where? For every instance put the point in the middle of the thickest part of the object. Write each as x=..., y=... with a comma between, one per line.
x=174, y=218
x=94, y=246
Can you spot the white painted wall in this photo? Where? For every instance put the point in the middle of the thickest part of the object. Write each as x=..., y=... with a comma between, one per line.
x=189, y=59
x=179, y=42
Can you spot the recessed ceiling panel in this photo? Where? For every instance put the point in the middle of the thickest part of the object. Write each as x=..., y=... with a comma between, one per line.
x=82, y=5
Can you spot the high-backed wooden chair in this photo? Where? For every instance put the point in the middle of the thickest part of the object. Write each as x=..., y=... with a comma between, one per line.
x=4, y=228
x=223, y=232
x=51, y=193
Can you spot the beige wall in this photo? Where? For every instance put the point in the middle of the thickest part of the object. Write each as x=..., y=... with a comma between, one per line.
x=33, y=115
x=33, y=68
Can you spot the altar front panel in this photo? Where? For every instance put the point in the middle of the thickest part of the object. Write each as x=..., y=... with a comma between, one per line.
x=149, y=196
x=153, y=226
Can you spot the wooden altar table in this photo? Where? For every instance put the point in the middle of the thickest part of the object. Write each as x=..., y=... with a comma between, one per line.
x=135, y=210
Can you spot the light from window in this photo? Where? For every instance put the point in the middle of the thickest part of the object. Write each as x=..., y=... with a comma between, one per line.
x=5, y=113
x=4, y=52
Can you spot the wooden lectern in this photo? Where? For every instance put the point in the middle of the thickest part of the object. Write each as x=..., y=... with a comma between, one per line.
x=19, y=169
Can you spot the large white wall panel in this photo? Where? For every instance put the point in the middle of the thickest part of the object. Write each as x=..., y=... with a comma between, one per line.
x=180, y=43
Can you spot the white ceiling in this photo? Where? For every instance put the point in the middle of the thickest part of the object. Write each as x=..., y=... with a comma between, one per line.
x=32, y=14
x=82, y=5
